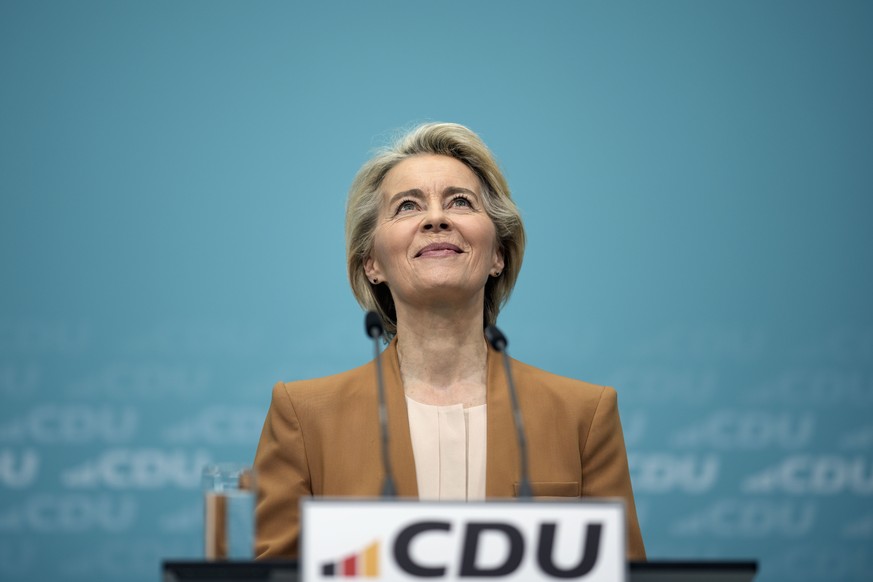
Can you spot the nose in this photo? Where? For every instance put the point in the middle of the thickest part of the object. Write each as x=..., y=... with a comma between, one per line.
x=436, y=219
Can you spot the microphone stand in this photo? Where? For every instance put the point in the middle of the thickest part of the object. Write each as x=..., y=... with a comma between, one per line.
x=498, y=341
x=374, y=329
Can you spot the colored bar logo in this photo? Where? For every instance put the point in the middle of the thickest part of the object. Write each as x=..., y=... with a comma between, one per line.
x=364, y=564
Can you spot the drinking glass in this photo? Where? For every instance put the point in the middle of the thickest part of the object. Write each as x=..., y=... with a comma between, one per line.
x=229, y=493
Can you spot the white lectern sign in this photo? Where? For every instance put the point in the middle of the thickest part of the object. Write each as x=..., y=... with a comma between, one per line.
x=498, y=540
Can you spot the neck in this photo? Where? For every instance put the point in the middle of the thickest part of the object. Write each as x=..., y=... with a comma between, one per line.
x=442, y=354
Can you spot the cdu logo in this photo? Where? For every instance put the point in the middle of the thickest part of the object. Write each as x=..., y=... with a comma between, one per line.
x=471, y=565
x=364, y=564
x=510, y=541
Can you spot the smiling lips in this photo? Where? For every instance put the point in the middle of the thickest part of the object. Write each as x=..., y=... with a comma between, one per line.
x=439, y=250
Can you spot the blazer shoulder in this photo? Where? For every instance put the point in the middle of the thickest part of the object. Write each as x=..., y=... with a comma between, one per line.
x=327, y=387
x=543, y=382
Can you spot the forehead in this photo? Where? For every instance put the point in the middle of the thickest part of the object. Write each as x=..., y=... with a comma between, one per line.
x=429, y=173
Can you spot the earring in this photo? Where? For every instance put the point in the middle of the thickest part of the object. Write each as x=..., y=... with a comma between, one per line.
x=496, y=274
x=375, y=281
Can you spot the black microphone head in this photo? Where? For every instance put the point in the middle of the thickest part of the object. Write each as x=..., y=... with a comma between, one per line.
x=496, y=338
x=373, y=324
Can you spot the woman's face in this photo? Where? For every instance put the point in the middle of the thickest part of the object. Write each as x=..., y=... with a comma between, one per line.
x=434, y=244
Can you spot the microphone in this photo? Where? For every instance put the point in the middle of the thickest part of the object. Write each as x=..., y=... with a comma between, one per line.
x=498, y=341
x=373, y=327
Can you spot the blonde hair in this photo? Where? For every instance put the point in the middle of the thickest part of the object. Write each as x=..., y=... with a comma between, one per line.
x=365, y=198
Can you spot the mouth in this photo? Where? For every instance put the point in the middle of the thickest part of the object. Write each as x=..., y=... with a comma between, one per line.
x=439, y=250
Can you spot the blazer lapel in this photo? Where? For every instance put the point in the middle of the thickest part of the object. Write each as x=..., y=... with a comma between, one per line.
x=400, y=441
x=501, y=456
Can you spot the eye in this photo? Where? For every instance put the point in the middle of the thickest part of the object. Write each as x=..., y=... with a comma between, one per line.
x=461, y=202
x=406, y=206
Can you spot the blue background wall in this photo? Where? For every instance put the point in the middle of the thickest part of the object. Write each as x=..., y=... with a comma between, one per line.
x=696, y=183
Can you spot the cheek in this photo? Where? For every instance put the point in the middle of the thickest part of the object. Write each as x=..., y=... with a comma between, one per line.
x=387, y=248
x=489, y=239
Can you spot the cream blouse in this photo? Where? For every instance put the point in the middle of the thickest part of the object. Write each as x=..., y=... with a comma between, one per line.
x=448, y=443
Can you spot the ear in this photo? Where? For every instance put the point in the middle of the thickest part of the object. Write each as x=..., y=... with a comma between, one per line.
x=371, y=269
x=498, y=263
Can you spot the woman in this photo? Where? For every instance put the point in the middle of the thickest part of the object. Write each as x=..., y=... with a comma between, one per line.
x=434, y=245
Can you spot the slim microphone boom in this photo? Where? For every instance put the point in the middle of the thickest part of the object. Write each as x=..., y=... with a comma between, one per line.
x=498, y=341
x=373, y=327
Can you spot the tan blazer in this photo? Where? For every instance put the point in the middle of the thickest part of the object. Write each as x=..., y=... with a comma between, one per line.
x=321, y=437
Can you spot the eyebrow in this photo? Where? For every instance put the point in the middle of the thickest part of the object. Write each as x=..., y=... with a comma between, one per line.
x=418, y=194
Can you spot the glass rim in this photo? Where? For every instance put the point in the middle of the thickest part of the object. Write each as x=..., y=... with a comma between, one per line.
x=226, y=468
